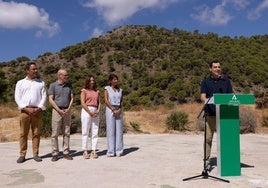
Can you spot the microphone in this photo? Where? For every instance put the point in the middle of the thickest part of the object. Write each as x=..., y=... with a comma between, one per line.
x=221, y=77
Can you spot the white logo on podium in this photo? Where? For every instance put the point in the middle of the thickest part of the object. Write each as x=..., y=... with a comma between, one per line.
x=234, y=101
x=234, y=97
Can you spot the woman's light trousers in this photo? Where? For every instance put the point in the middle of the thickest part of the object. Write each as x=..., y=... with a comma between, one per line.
x=90, y=129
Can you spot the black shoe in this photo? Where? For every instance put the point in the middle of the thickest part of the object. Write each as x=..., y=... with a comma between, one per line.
x=21, y=159
x=37, y=158
x=54, y=158
x=67, y=156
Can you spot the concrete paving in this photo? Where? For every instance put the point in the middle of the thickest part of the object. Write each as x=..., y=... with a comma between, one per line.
x=153, y=161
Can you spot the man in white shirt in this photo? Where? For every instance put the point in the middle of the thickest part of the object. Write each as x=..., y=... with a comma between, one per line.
x=30, y=96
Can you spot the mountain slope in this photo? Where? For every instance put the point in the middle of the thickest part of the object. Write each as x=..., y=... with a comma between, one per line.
x=155, y=65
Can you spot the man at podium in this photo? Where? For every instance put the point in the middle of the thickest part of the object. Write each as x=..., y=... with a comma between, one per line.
x=215, y=83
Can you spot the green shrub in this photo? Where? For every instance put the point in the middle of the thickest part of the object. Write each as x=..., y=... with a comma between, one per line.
x=76, y=124
x=102, y=124
x=177, y=121
x=264, y=121
x=248, y=122
x=169, y=105
x=135, y=126
x=46, y=128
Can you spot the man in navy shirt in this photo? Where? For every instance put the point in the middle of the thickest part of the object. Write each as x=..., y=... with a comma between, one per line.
x=215, y=83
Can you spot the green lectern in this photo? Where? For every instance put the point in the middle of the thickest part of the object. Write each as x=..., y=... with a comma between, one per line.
x=228, y=131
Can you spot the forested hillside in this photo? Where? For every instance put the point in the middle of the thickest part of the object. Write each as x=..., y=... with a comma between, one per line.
x=155, y=65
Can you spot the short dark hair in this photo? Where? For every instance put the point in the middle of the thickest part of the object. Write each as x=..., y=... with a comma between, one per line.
x=211, y=63
x=27, y=66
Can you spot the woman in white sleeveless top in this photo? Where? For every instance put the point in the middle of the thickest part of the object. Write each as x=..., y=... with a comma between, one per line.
x=114, y=117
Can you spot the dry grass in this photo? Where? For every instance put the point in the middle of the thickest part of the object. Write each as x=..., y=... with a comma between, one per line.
x=259, y=115
x=150, y=121
x=153, y=121
x=9, y=123
x=9, y=129
x=8, y=111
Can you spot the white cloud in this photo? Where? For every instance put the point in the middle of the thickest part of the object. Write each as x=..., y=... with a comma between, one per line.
x=213, y=16
x=24, y=16
x=237, y=4
x=97, y=32
x=222, y=13
x=256, y=13
x=115, y=11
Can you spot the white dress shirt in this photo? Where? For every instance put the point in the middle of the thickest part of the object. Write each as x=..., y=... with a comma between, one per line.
x=30, y=93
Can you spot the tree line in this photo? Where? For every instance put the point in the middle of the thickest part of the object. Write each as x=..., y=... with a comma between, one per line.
x=156, y=66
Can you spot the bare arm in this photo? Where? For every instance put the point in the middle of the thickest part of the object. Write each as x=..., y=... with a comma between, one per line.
x=203, y=97
x=71, y=102
x=99, y=104
x=106, y=100
x=52, y=103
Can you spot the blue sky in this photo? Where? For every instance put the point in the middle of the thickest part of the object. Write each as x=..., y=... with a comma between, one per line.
x=33, y=27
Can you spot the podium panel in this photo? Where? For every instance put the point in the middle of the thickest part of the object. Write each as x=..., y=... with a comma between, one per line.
x=228, y=131
x=228, y=159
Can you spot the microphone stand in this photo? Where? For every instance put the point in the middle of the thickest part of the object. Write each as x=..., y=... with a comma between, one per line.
x=204, y=174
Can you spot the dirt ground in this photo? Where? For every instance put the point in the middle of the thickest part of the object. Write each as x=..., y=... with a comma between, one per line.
x=149, y=161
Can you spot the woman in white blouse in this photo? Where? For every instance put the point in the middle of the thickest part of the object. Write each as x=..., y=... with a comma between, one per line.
x=114, y=117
